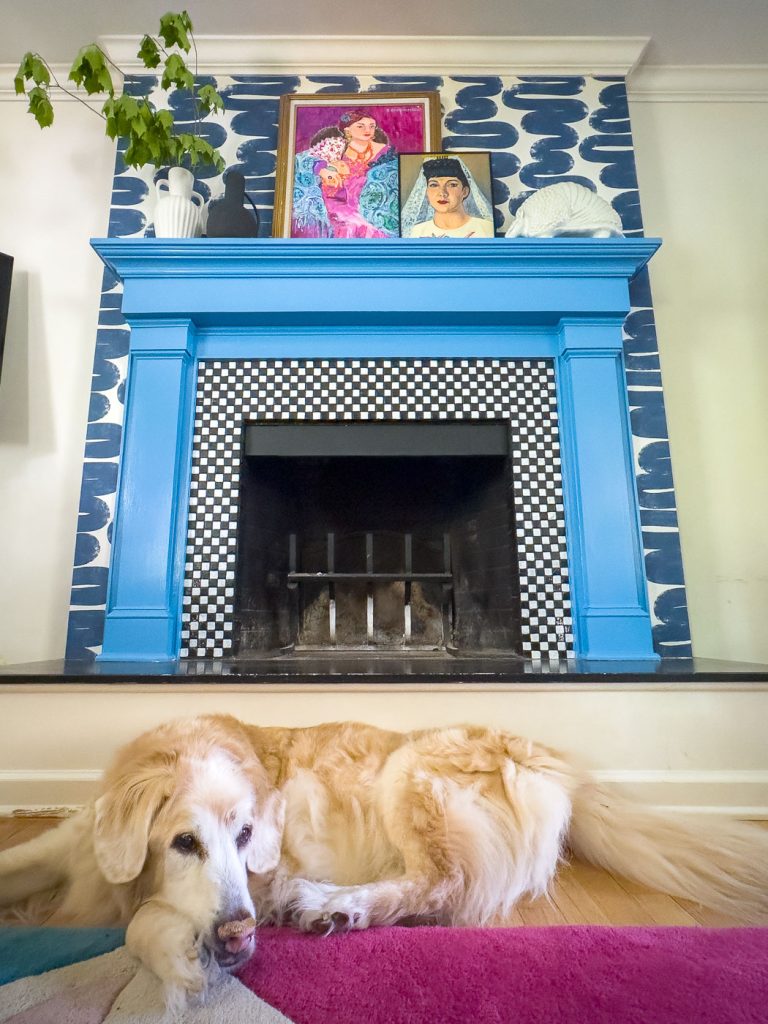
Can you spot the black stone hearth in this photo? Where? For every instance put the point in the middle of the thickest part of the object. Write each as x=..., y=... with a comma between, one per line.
x=401, y=670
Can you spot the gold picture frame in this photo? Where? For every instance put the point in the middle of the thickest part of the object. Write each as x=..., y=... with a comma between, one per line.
x=337, y=160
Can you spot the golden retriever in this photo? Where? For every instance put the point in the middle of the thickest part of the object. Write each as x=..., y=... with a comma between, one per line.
x=207, y=825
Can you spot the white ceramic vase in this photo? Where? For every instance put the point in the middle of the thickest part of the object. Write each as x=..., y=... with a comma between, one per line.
x=178, y=210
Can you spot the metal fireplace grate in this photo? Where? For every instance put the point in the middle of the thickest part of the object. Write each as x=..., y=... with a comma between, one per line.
x=409, y=578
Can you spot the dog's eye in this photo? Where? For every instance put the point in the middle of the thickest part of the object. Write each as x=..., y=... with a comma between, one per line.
x=185, y=842
x=245, y=834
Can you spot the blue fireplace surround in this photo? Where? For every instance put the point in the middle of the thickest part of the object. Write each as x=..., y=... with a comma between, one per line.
x=188, y=300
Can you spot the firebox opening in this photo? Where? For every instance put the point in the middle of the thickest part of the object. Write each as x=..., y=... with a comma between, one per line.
x=360, y=537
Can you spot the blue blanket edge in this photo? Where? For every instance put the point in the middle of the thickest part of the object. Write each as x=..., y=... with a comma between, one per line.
x=25, y=952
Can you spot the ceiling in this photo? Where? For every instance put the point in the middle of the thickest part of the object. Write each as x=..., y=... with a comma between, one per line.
x=681, y=31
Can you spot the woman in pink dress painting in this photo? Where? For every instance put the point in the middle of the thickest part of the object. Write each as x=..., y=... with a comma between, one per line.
x=346, y=182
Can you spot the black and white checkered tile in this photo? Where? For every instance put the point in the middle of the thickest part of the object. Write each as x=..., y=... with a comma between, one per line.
x=235, y=391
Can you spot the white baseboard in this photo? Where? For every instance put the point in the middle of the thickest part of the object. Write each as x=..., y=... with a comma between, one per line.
x=741, y=794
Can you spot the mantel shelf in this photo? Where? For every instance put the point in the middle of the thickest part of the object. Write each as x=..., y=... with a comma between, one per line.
x=260, y=281
x=264, y=257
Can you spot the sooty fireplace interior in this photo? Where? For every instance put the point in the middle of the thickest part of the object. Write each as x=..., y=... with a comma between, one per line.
x=377, y=536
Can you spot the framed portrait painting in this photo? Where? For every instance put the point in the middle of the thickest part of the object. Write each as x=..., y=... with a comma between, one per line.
x=446, y=195
x=337, y=161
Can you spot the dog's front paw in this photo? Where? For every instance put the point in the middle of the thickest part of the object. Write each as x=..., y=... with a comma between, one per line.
x=167, y=944
x=184, y=976
x=344, y=911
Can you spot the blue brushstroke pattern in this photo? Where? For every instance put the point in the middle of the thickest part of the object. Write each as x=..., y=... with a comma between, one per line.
x=671, y=637
x=662, y=557
x=98, y=407
x=658, y=517
x=257, y=101
x=102, y=440
x=549, y=112
x=123, y=223
x=87, y=548
x=612, y=148
x=94, y=518
x=547, y=107
x=654, y=481
x=85, y=631
x=640, y=289
x=89, y=585
x=655, y=484
x=128, y=191
x=475, y=125
x=110, y=310
x=335, y=83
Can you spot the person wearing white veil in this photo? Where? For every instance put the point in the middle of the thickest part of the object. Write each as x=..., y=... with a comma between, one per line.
x=446, y=202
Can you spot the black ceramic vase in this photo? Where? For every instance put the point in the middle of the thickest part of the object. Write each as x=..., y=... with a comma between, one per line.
x=227, y=216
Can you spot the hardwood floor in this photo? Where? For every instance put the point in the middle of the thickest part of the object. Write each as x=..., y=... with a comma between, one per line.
x=582, y=894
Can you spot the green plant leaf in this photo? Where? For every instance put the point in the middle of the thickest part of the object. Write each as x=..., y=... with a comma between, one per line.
x=137, y=154
x=175, y=30
x=40, y=72
x=40, y=107
x=32, y=67
x=200, y=151
x=149, y=52
x=90, y=70
x=177, y=73
x=209, y=99
x=123, y=115
x=24, y=72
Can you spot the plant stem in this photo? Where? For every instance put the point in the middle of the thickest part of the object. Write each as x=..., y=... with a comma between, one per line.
x=159, y=45
x=107, y=58
x=69, y=92
x=197, y=108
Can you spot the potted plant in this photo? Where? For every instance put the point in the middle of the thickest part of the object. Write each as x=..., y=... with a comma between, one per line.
x=151, y=135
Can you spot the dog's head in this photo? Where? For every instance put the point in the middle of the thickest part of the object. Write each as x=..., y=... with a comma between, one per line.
x=185, y=816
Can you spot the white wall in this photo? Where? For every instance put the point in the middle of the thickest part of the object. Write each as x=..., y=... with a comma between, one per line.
x=55, y=186
x=702, y=178
x=701, y=168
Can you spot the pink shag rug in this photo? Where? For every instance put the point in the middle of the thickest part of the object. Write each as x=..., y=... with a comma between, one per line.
x=565, y=975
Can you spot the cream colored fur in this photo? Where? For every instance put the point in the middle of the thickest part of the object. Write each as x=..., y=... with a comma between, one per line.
x=348, y=826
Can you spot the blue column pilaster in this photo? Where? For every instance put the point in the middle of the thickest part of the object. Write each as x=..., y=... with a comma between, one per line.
x=146, y=575
x=611, y=618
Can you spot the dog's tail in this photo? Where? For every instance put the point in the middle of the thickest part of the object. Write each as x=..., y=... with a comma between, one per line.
x=721, y=865
x=36, y=866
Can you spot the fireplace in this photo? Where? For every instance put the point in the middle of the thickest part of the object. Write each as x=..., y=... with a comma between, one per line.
x=376, y=447
x=376, y=536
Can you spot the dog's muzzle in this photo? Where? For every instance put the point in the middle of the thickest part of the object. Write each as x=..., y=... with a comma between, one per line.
x=233, y=940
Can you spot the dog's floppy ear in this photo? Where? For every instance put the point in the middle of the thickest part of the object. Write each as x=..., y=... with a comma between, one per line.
x=124, y=816
x=264, y=851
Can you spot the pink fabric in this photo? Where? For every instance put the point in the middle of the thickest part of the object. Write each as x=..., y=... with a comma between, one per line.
x=567, y=975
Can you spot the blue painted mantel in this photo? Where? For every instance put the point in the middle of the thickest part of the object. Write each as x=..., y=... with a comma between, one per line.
x=196, y=299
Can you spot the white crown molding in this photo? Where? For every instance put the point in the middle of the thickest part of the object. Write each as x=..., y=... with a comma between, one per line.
x=60, y=71
x=699, y=83
x=451, y=55
x=381, y=55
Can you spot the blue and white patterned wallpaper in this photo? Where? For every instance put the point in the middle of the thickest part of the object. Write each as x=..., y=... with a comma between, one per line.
x=540, y=130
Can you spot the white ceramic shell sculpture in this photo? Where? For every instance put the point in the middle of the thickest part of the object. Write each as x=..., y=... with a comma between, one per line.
x=566, y=208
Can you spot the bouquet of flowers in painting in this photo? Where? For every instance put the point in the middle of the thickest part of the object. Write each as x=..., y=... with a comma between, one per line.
x=338, y=174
